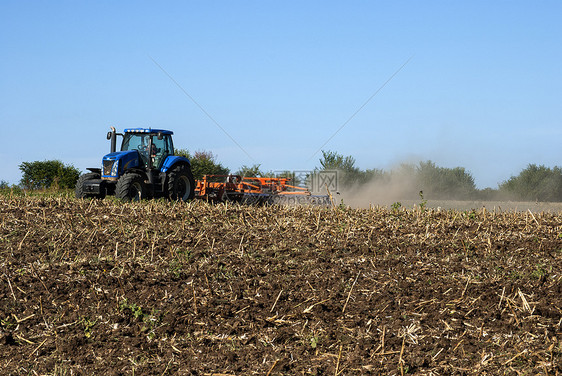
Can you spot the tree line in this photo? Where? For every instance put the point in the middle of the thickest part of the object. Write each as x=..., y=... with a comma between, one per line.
x=534, y=183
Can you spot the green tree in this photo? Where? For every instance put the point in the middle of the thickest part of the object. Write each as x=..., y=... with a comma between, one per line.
x=183, y=153
x=250, y=171
x=445, y=183
x=331, y=160
x=344, y=165
x=6, y=187
x=295, y=180
x=47, y=174
x=488, y=194
x=539, y=183
x=203, y=163
x=375, y=174
x=348, y=173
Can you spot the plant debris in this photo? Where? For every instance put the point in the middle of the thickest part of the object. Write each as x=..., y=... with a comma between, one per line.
x=155, y=288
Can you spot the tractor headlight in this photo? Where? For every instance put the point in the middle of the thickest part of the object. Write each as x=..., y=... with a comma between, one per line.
x=115, y=168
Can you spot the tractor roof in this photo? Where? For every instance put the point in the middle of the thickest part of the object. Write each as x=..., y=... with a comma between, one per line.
x=148, y=130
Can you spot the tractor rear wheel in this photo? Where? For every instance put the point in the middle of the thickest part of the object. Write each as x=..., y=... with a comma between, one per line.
x=181, y=185
x=79, y=189
x=131, y=187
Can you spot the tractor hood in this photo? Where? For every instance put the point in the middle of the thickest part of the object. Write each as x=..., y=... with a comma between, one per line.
x=113, y=164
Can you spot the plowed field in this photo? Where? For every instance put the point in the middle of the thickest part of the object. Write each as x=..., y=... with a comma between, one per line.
x=158, y=288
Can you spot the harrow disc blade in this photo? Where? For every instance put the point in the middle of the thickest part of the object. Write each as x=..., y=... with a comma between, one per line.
x=292, y=200
x=250, y=199
x=278, y=200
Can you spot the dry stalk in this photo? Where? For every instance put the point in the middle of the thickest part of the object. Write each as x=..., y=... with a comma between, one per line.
x=309, y=309
x=481, y=333
x=466, y=286
x=22, y=320
x=515, y=357
x=272, y=367
x=240, y=248
x=194, y=297
x=242, y=310
x=11, y=289
x=410, y=333
x=349, y=295
x=25, y=236
x=338, y=362
x=38, y=347
x=400, y=359
x=526, y=306
x=276, y=300
x=25, y=340
x=503, y=293
x=533, y=216
x=436, y=355
x=458, y=344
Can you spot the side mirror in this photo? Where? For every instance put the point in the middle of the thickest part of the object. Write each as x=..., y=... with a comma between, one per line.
x=109, y=135
x=160, y=136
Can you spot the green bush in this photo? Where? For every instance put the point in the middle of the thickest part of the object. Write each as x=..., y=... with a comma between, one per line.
x=9, y=189
x=48, y=174
x=203, y=163
x=535, y=183
x=250, y=171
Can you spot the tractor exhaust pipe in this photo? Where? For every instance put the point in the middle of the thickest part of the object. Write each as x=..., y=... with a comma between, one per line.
x=113, y=137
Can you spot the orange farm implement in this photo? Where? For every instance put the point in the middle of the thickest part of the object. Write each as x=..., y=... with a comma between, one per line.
x=257, y=191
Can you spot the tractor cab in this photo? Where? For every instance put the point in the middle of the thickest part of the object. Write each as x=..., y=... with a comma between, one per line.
x=142, y=148
x=153, y=146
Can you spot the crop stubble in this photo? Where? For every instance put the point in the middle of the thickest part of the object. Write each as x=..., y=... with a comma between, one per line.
x=153, y=288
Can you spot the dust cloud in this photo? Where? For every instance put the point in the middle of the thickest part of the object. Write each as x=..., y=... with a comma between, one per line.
x=380, y=192
x=400, y=190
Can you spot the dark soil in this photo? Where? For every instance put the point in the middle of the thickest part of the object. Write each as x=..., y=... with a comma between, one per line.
x=156, y=288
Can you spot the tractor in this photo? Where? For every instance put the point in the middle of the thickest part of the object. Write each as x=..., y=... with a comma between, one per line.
x=146, y=167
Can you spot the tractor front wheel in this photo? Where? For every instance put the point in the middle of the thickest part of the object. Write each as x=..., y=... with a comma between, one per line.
x=131, y=187
x=181, y=185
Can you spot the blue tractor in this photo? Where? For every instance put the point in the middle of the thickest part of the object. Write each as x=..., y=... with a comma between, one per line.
x=146, y=167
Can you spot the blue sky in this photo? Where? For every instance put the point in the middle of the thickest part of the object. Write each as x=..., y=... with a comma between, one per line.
x=482, y=90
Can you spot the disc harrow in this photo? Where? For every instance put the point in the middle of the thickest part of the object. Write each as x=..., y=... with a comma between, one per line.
x=256, y=191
